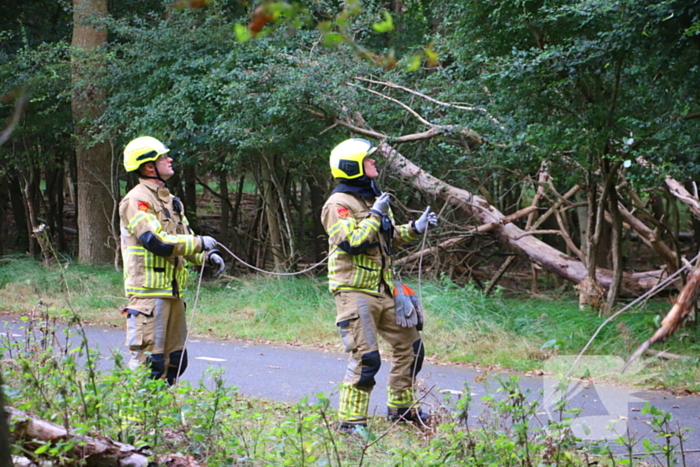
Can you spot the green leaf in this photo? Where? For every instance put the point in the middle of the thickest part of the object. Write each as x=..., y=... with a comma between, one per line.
x=333, y=39
x=242, y=32
x=386, y=25
x=415, y=63
x=42, y=449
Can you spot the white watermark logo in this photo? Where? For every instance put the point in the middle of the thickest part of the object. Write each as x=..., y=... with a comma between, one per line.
x=604, y=408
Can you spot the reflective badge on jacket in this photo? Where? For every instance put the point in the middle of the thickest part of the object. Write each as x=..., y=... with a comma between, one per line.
x=343, y=212
x=143, y=206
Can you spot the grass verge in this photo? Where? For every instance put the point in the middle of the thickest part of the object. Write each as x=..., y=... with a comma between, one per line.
x=462, y=325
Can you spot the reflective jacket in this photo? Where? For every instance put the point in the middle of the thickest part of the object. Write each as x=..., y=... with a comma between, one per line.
x=156, y=242
x=360, y=257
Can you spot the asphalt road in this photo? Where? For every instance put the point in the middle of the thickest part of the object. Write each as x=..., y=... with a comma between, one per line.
x=287, y=374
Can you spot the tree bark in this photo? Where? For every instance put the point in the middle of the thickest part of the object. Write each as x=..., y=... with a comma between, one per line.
x=20, y=212
x=95, y=201
x=4, y=204
x=316, y=195
x=271, y=209
x=679, y=191
x=633, y=284
x=225, y=219
x=616, y=250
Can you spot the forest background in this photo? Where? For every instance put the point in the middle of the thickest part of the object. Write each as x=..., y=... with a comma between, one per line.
x=557, y=140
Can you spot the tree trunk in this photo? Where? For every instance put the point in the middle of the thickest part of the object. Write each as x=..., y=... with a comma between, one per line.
x=236, y=243
x=271, y=210
x=616, y=250
x=95, y=201
x=633, y=284
x=20, y=212
x=225, y=220
x=189, y=179
x=4, y=205
x=317, y=200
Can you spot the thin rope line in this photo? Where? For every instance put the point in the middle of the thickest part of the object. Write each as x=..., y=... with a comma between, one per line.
x=651, y=292
x=323, y=261
x=187, y=328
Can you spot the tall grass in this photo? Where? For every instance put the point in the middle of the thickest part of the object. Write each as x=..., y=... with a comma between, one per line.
x=462, y=325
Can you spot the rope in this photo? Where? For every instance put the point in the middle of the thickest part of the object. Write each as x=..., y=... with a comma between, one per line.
x=651, y=292
x=199, y=286
x=323, y=261
x=187, y=328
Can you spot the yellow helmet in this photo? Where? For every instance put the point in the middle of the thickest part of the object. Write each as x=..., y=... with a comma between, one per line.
x=141, y=150
x=346, y=158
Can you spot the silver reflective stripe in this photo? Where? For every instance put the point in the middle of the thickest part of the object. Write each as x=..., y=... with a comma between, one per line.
x=159, y=324
x=367, y=323
x=131, y=332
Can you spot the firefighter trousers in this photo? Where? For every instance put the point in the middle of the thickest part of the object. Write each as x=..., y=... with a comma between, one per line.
x=156, y=331
x=361, y=317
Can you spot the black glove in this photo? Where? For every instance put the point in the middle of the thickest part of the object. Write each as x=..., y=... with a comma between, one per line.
x=217, y=262
x=208, y=243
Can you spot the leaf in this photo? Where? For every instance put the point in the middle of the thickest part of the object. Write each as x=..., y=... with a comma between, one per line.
x=386, y=25
x=333, y=39
x=242, y=33
x=415, y=63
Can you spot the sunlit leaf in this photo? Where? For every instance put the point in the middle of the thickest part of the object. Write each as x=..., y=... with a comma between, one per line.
x=242, y=33
x=414, y=63
x=386, y=25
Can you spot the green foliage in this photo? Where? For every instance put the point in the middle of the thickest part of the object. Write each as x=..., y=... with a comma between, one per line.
x=216, y=426
x=579, y=79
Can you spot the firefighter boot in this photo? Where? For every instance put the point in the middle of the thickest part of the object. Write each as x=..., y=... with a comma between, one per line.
x=352, y=428
x=409, y=414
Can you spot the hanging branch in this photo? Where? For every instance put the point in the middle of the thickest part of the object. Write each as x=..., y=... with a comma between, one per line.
x=676, y=317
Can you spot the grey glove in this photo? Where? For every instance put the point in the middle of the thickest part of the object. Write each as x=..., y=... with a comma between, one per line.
x=216, y=262
x=208, y=242
x=426, y=220
x=381, y=205
x=405, y=306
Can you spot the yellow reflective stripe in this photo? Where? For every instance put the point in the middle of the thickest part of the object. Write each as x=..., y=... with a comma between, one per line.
x=337, y=286
x=142, y=216
x=353, y=232
x=400, y=399
x=353, y=404
x=147, y=292
x=407, y=233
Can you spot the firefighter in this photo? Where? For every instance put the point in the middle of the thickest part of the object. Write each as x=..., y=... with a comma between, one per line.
x=157, y=243
x=361, y=235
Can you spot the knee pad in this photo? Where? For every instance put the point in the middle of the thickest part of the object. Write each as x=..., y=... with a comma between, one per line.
x=156, y=362
x=371, y=361
x=419, y=352
x=175, y=364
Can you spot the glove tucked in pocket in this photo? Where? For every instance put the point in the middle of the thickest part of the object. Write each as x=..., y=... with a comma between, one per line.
x=408, y=310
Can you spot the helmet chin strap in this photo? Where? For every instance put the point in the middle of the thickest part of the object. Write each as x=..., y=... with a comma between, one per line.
x=157, y=177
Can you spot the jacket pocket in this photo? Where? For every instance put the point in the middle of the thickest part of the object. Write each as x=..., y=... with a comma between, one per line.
x=367, y=273
x=139, y=329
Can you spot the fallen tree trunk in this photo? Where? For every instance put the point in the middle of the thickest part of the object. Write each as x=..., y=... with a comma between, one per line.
x=551, y=259
x=479, y=230
x=32, y=432
x=683, y=195
x=676, y=317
